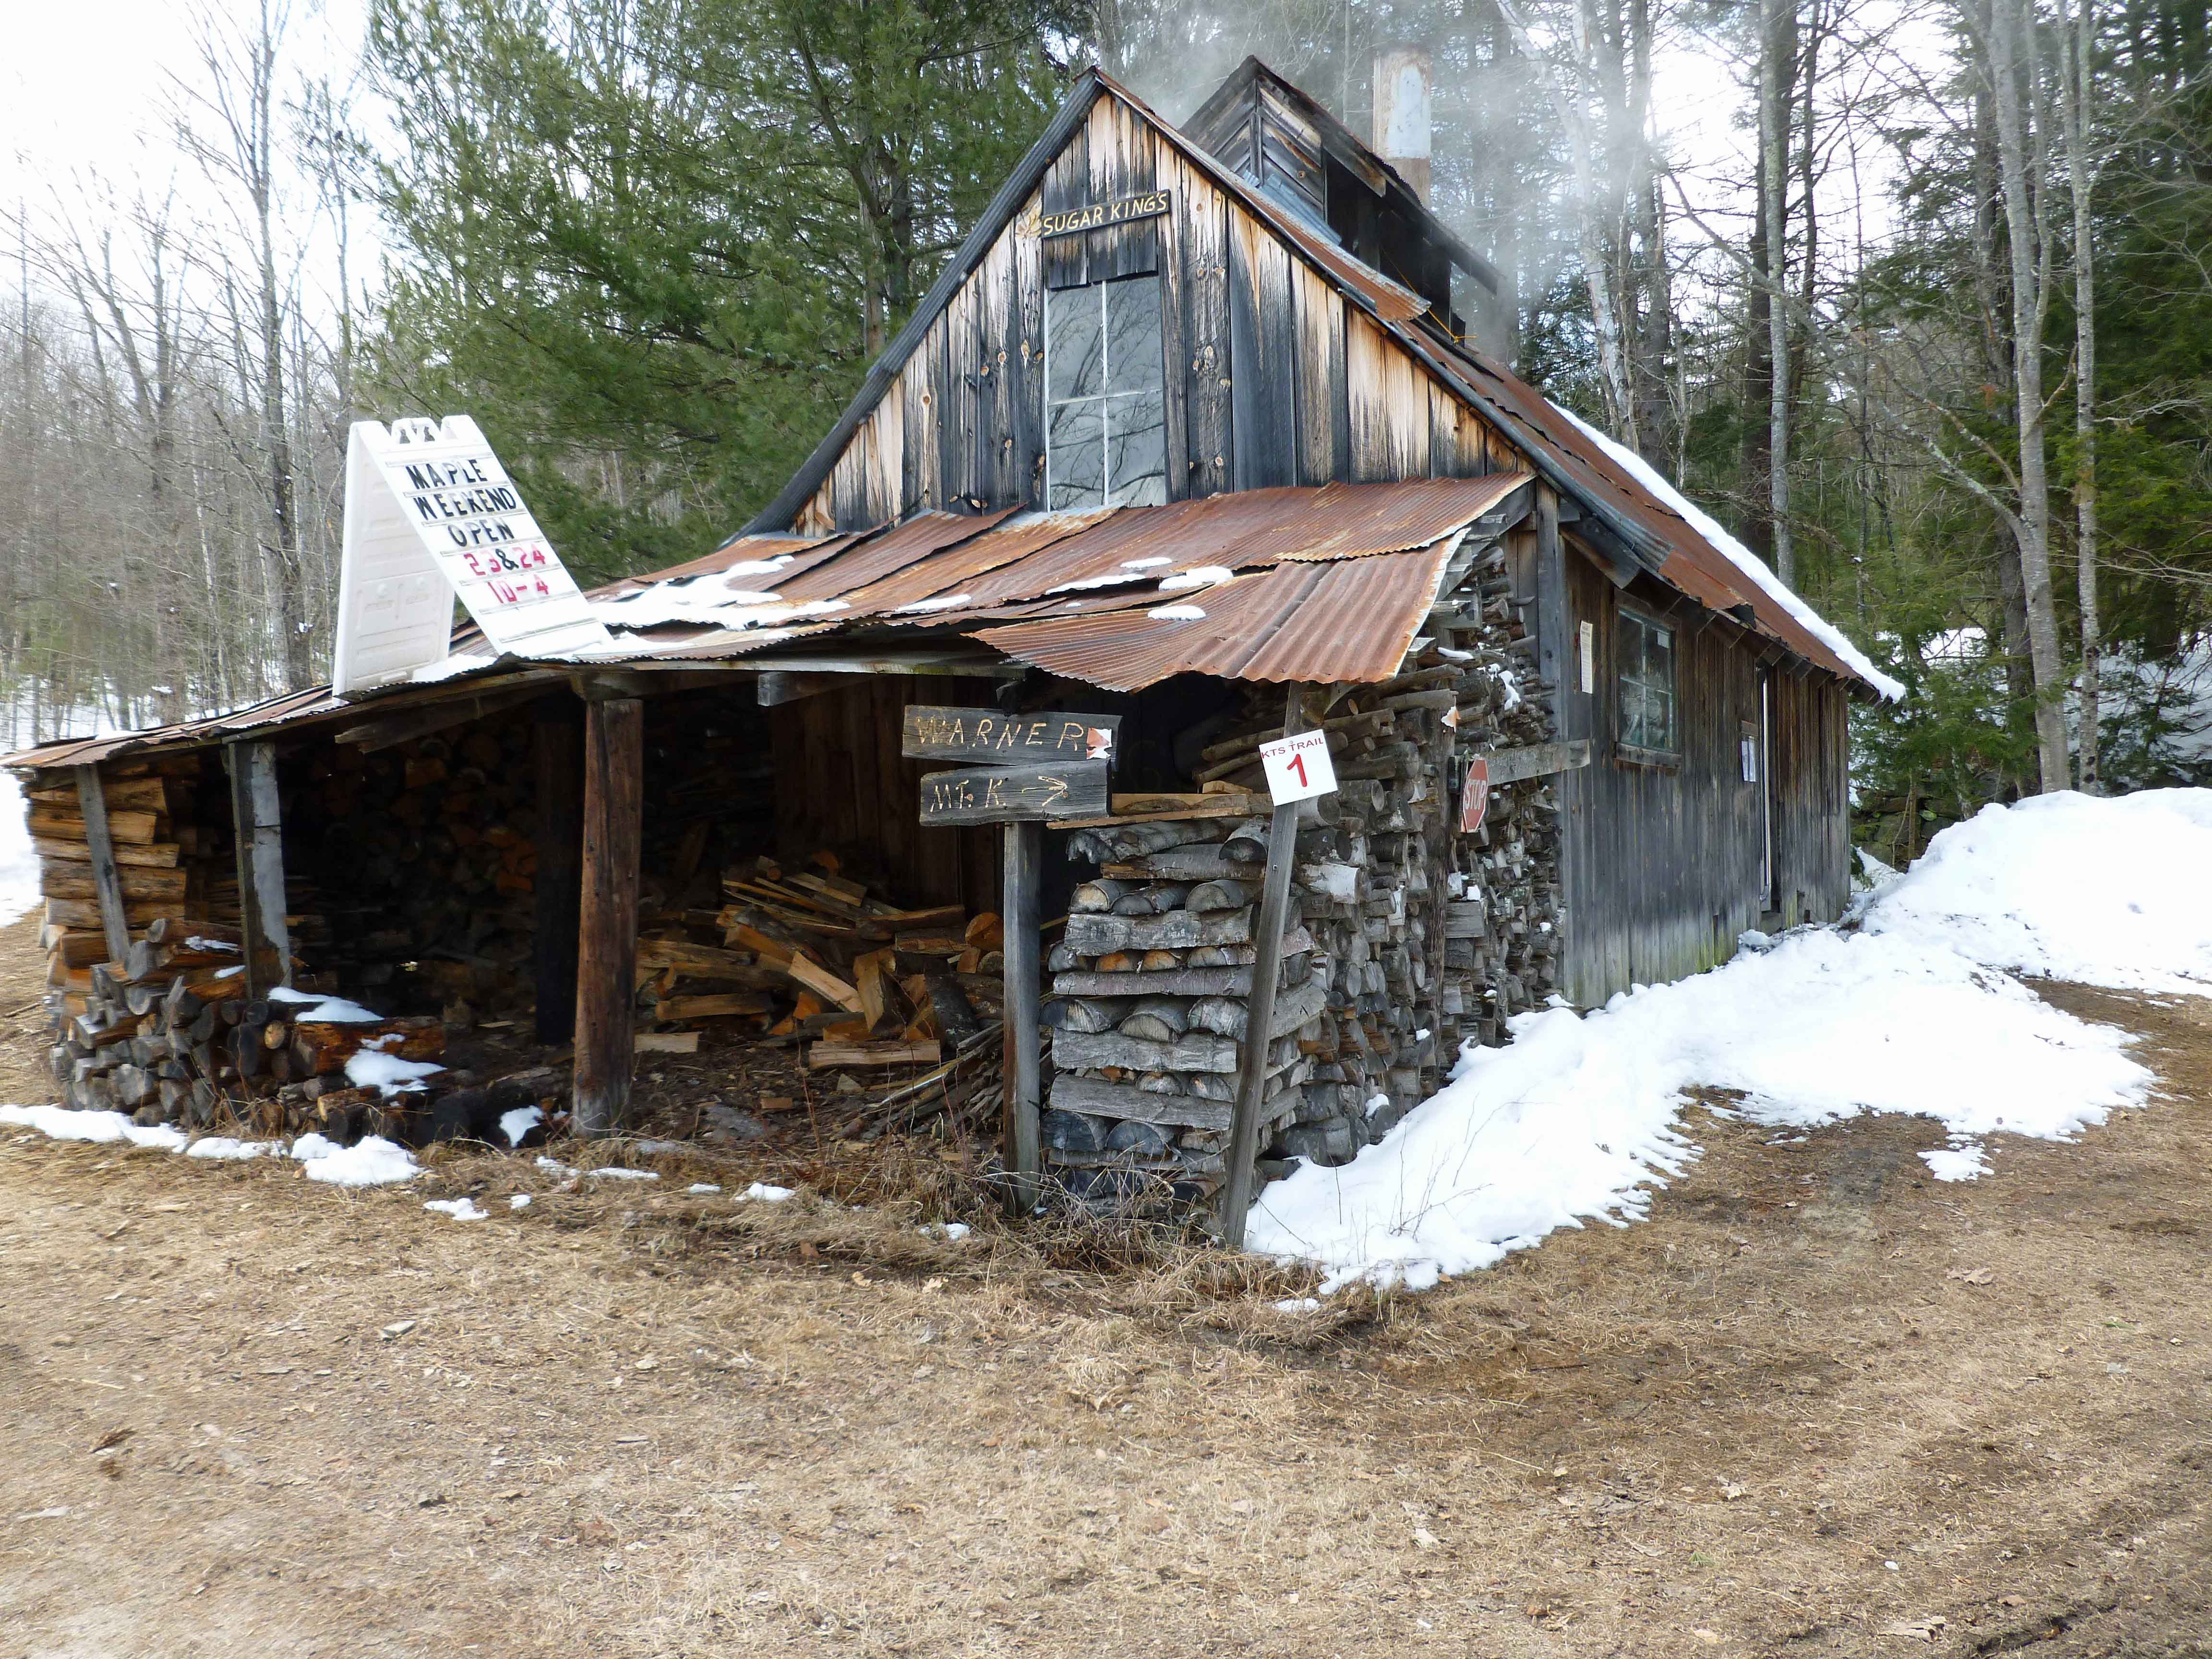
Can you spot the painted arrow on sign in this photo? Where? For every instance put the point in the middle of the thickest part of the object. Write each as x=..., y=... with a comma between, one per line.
x=1015, y=794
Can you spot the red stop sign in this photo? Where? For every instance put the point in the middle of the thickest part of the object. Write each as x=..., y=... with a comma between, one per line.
x=1474, y=795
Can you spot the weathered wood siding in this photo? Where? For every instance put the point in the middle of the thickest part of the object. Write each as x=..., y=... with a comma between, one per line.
x=844, y=785
x=1272, y=376
x=1662, y=864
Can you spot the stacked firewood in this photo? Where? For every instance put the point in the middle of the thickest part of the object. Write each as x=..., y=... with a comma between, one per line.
x=169, y=1035
x=432, y=844
x=1502, y=923
x=1405, y=937
x=1152, y=987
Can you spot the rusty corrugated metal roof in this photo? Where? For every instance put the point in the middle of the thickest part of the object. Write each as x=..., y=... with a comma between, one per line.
x=1326, y=583
x=939, y=570
x=1345, y=619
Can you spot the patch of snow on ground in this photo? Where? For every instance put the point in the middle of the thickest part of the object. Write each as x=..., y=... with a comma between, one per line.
x=461, y=1209
x=519, y=1201
x=371, y=1162
x=702, y=1186
x=60, y=1123
x=1577, y=1118
x=1963, y=1160
x=617, y=1174
x=19, y=865
x=761, y=1192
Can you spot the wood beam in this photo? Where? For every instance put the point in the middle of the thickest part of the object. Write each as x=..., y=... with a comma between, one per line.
x=1267, y=975
x=107, y=882
x=394, y=729
x=557, y=735
x=1024, y=849
x=257, y=821
x=606, y=936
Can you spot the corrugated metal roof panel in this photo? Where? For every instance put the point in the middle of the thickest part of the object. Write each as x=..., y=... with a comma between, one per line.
x=882, y=554
x=1287, y=623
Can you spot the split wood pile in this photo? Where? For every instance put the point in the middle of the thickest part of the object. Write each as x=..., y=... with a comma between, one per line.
x=1404, y=937
x=813, y=957
x=169, y=1035
x=427, y=849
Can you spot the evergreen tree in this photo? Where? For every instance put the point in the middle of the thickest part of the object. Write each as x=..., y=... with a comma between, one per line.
x=653, y=244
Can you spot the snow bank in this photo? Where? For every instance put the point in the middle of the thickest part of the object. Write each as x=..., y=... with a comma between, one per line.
x=19, y=865
x=1738, y=555
x=1577, y=1118
x=2068, y=886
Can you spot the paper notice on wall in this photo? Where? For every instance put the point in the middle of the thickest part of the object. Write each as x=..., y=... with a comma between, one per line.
x=1589, y=656
x=431, y=514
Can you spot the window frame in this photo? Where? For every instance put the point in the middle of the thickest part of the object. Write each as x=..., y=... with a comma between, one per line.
x=1632, y=624
x=1104, y=401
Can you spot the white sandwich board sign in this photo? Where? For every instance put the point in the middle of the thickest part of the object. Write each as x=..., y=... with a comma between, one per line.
x=430, y=514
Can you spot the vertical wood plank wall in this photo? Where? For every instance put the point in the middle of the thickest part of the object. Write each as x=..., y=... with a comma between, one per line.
x=1281, y=380
x=1662, y=866
x=843, y=785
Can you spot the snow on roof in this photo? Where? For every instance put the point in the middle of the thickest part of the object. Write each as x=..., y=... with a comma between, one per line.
x=1738, y=555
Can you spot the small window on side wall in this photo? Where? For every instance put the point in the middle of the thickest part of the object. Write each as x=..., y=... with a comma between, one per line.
x=1649, y=715
x=1105, y=404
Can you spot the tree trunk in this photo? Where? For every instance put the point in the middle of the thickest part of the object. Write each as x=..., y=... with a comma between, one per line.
x=2077, y=87
x=1779, y=56
x=2009, y=33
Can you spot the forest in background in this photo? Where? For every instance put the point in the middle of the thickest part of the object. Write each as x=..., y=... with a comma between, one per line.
x=1931, y=329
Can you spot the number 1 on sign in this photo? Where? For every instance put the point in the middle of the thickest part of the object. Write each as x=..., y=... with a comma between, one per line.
x=1298, y=767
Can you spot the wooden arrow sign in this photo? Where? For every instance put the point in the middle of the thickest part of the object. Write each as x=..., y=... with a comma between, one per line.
x=985, y=735
x=1014, y=794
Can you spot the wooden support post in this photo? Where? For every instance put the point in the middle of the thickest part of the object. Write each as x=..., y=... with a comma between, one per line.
x=257, y=818
x=1024, y=1086
x=1267, y=975
x=107, y=882
x=606, y=935
x=558, y=733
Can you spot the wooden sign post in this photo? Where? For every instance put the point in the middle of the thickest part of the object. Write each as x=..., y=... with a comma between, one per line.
x=1025, y=769
x=1298, y=768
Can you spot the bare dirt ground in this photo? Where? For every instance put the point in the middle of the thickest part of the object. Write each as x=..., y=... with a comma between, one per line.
x=1819, y=1403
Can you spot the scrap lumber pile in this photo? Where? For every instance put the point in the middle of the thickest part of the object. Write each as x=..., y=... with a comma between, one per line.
x=1404, y=936
x=812, y=956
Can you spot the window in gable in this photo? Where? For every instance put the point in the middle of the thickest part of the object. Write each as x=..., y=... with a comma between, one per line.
x=1105, y=400
x=1648, y=715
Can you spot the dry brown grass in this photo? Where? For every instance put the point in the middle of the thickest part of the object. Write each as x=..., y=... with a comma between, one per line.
x=655, y=1423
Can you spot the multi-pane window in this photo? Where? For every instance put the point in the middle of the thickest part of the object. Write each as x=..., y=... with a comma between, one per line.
x=1105, y=407
x=1647, y=685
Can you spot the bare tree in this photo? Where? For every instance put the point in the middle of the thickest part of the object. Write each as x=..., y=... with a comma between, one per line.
x=2010, y=56
x=2077, y=92
x=229, y=125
